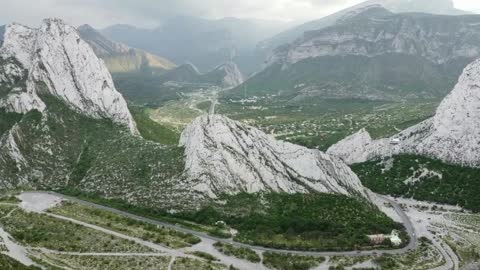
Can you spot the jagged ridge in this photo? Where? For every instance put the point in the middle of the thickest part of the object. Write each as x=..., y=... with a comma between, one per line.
x=225, y=156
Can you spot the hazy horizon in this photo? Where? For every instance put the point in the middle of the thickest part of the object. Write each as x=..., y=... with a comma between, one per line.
x=149, y=13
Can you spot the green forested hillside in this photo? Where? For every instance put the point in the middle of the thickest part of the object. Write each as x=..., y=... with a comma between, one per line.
x=384, y=77
x=443, y=183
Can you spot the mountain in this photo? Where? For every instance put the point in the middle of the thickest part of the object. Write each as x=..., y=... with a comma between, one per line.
x=373, y=54
x=64, y=127
x=56, y=57
x=206, y=43
x=225, y=156
x=157, y=88
x=119, y=57
x=452, y=135
x=226, y=75
x=441, y=7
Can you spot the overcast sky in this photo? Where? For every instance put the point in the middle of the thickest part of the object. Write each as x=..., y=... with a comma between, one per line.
x=149, y=13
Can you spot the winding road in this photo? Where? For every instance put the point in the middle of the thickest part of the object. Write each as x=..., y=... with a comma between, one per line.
x=406, y=221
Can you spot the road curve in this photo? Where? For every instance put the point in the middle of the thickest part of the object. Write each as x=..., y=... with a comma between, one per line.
x=406, y=221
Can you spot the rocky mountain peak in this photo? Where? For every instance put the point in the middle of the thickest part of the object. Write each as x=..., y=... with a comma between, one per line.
x=232, y=76
x=226, y=156
x=54, y=54
x=452, y=135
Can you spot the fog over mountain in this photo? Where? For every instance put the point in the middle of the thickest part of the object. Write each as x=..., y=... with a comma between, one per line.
x=206, y=43
x=444, y=7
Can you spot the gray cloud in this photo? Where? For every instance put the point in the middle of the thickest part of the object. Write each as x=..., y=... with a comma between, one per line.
x=101, y=13
x=150, y=12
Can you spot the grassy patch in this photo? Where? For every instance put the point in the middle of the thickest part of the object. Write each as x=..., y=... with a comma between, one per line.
x=151, y=130
x=148, y=212
x=37, y=230
x=457, y=185
x=125, y=225
x=7, y=263
x=176, y=115
x=204, y=255
x=9, y=199
x=238, y=252
x=204, y=106
x=189, y=264
x=5, y=209
x=287, y=262
x=339, y=262
x=109, y=262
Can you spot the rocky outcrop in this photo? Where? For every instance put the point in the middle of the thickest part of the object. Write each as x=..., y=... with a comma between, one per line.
x=452, y=135
x=225, y=156
x=232, y=76
x=56, y=57
x=357, y=148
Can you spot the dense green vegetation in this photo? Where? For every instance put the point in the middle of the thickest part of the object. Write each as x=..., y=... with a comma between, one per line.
x=151, y=130
x=239, y=252
x=7, y=263
x=7, y=120
x=457, y=185
x=288, y=262
x=300, y=221
x=67, y=150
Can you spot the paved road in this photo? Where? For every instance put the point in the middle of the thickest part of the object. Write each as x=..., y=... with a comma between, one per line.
x=406, y=221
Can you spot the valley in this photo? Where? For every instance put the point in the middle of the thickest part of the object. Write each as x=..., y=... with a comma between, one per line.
x=350, y=141
x=314, y=123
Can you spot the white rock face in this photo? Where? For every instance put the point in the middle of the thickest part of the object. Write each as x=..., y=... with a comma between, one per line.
x=357, y=148
x=55, y=55
x=225, y=156
x=452, y=135
x=233, y=77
